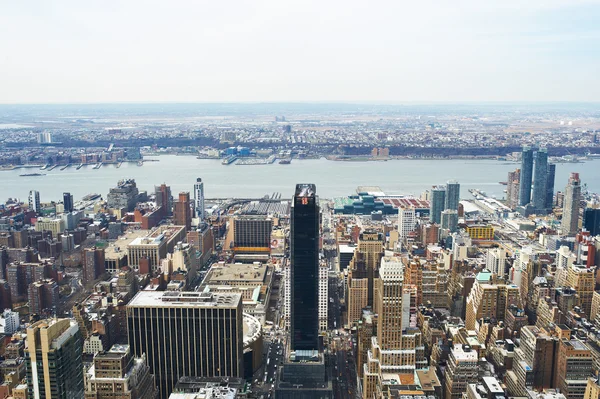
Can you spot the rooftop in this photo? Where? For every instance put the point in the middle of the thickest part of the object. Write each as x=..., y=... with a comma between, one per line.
x=237, y=271
x=168, y=299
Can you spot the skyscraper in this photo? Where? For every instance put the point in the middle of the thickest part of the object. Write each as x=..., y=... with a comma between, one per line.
x=189, y=334
x=540, y=187
x=591, y=221
x=452, y=195
x=526, y=176
x=570, y=218
x=183, y=212
x=407, y=222
x=550, y=186
x=164, y=199
x=438, y=202
x=54, y=359
x=512, y=189
x=34, y=201
x=68, y=202
x=304, y=273
x=199, y=198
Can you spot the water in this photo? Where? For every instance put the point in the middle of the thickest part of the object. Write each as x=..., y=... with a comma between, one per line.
x=332, y=178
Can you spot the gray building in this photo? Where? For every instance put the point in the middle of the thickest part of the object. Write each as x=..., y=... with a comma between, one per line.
x=452, y=195
x=450, y=220
x=540, y=181
x=437, y=204
x=571, y=205
x=125, y=195
x=526, y=176
x=550, y=186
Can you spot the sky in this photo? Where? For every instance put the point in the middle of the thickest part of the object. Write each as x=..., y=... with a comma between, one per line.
x=395, y=51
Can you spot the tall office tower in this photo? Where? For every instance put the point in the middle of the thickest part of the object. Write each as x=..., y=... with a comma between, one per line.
x=362, y=272
x=304, y=272
x=93, y=264
x=394, y=335
x=449, y=220
x=54, y=359
x=550, y=186
x=323, y=295
x=495, y=261
x=199, y=198
x=34, y=201
x=438, y=202
x=164, y=198
x=512, y=188
x=488, y=300
x=461, y=370
x=540, y=181
x=252, y=233
x=526, y=176
x=533, y=365
x=574, y=364
x=117, y=374
x=591, y=221
x=407, y=222
x=190, y=334
x=183, y=212
x=583, y=280
x=452, y=195
x=68, y=202
x=43, y=297
x=571, y=203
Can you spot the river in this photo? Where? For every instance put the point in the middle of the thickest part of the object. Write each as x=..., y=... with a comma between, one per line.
x=333, y=178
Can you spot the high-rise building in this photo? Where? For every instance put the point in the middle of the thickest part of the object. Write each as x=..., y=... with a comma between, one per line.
x=550, y=186
x=488, y=300
x=124, y=196
x=68, y=202
x=187, y=334
x=571, y=204
x=323, y=295
x=54, y=359
x=304, y=270
x=461, y=370
x=252, y=233
x=449, y=220
x=591, y=221
x=526, y=176
x=93, y=264
x=199, y=198
x=43, y=297
x=437, y=204
x=496, y=260
x=164, y=199
x=182, y=211
x=512, y=188
x=34, y=201
x=574, y=364
x=407, y=222
x=540, y=181
x=452, y=195
x=117, y=374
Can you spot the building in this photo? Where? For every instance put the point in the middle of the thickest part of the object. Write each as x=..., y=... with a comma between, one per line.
x=145, y=253
x=304, y=271
x=199, y=199
x=68, y=202
x=164, y=199
x=449, y=223
x=187, y=334
x=540, y=181
x=488, y=300
x=43, y=297
x=583, y=280
x=56, y=226
x=591, y=221
x=182, y=211
x=438, y=202
x=496, y=261
x=407, y=222
x=570, y=218
x=526, y=176
x=117, y=374
x=9, y=322
x=34, y=201
x=460, y=371
x=573, y=366
x=323, y=295
x=452, y=195
x=252, y=234
x=93, y=264
x=54, y=359
x=550, y=186
x=124, y=196
x=512, y=188
x=480, y=231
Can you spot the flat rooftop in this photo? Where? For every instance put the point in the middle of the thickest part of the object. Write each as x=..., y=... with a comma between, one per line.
x=238, y=272
x=118, y=249
x=405, y=202
x=169, y=299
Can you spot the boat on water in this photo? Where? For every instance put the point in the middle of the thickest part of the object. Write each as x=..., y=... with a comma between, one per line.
x=32, y=174
x=285, y=161
x=229, y=160
x=79, y=167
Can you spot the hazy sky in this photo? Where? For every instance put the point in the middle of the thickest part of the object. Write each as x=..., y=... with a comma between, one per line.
x=281, y=50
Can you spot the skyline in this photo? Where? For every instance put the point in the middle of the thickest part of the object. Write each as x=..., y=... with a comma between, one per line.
x=462, y=52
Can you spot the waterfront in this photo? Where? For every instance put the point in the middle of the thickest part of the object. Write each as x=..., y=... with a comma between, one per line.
x=332, y=178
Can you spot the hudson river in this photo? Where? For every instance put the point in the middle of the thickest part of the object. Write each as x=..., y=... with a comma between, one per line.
x=332, y=178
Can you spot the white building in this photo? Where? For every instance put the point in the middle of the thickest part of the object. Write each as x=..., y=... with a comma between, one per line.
x=34, y=201
x=323, y=295
x=495, y=261
x=407, y=221
x=199, y=198
x=9, y=322
x=287, y=298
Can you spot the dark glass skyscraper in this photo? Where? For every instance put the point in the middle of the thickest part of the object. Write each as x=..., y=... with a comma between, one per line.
x=68, y=202
x=540, y=191
x=526, y=176
x=591, y=221
x=550, y=186
x=437, y=204
x=452, y=195
x=304, y=271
